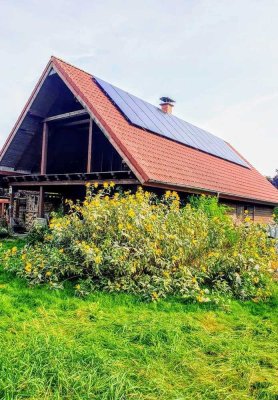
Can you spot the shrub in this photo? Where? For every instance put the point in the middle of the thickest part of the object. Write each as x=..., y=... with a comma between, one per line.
x=4, y=232
x=4, y=229
x=153, y=247
x=275, y=214
x=36, y=234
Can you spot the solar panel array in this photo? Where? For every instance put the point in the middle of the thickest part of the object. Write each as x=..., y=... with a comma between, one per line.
x=147, y=116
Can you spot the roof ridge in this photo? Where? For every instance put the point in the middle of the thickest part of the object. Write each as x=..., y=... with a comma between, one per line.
x=53, y=58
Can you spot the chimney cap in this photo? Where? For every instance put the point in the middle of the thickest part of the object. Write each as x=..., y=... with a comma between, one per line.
x=166, y=100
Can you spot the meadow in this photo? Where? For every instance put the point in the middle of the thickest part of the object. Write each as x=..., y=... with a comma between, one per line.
x=55, y=345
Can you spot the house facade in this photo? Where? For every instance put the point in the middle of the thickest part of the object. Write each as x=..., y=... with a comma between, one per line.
x=77, y=129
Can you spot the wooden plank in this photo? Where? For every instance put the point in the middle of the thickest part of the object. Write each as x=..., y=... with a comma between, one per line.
x=44, y=148
x=41, y=203
x=92, y=176
x=66, y=115
x=90, y=141
x=74, y=182
x=11, y=207
x=76, y=123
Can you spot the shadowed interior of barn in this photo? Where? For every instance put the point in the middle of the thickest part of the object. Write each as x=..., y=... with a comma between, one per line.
x=63, y=148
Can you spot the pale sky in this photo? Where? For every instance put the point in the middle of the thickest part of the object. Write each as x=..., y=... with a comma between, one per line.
x=217, y=58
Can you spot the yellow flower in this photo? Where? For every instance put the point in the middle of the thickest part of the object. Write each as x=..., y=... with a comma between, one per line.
x=28, y=267
x=194, y=280
x=246, y=212
x=120, y=226
x=95, y=185
x=256, y=279
x=131, y=213
x=23, y=257
x=105, y=185
x=14, y=250
x=167, y=194
x=158, y=252
x=88, y=184
x=148, y=227
x=154, y=296
x=247, y=219
x=77, y=287
x=112, y=184
x=98, y=259
x=48, y=273
x=61, y=251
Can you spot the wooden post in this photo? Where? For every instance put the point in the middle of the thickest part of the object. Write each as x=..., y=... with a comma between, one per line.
x=11, y=207
x=41, y=203
x=90, y=141
x=44, y=148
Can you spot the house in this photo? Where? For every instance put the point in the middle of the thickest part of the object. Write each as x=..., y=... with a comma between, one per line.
x=77, y=128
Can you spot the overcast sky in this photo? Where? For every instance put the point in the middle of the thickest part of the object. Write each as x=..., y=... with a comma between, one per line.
x=217, y=59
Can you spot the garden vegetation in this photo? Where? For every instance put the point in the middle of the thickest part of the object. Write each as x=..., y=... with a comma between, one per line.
x=114, y=346
x=153, y=247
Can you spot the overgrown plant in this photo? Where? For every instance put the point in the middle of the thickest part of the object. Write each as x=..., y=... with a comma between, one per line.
x=275, y=215
x=153, y=247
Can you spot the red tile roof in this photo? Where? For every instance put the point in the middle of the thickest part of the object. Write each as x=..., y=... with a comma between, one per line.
x=159, y=160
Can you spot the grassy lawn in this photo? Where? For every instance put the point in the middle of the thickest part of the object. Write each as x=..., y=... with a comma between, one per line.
x=112, y=346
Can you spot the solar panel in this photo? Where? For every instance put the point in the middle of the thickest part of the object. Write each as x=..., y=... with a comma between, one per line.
x=147, y=116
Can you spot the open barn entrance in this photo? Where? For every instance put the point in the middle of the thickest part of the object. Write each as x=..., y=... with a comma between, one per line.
x=68, y=149
x=63, y=147
x=57, y=136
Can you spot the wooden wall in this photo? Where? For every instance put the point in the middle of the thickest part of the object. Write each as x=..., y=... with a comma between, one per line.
x=257, y=213
x=263, y=214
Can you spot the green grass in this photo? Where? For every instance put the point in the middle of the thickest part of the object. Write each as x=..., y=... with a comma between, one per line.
x=113, y=346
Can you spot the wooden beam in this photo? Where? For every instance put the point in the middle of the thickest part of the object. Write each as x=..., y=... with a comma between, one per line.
x=74, y=182
x=76, y=123
x=41, y=203
x=11, y=207
x=92, y=176
x=44, y=148
x=66, y=115
x=90, y=141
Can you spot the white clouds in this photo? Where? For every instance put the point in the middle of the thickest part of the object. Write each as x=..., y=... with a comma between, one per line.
x=215, y=58
x=253, y=127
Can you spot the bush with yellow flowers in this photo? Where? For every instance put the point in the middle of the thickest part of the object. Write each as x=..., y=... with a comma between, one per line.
x=139, y=243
